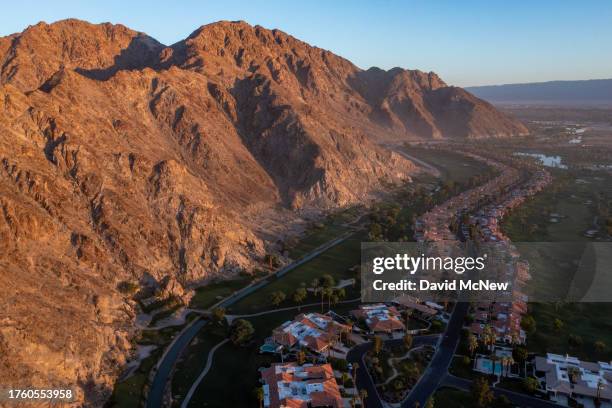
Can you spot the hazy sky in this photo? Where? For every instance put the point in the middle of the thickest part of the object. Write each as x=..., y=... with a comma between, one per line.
x=466, y=42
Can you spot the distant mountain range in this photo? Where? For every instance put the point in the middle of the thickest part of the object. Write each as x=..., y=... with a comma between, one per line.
x=587, y=92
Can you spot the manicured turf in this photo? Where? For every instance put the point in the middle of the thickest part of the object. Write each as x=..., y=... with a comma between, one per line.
x=194, y=357
x=453, y=167
x=573, y=200
x=208, y=295
x=451, y=398
x=317, y=237
x=336, y=262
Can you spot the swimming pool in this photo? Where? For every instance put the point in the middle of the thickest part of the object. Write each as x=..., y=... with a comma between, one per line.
x=485, y=365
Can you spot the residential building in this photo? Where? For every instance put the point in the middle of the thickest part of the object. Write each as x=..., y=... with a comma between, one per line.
x=314, y=331
x=565, y=378
x=289, y=385
x=380, y=318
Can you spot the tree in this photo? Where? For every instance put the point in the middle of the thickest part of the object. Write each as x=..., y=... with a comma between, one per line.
x=472, y=343
x=301, y=357
x=363, y=394
x=259, y=395
x=278, y=297
x=430, y=402
x=557, y=324
x=520, y=353
x=528, y=324
x=488, y=337
x=327, y=281
x=599, y=346
x=272, y=260
x=481, y=393
x=530, y=384
x=218, y=314
x=326, y=292
x=315, y=286
x=575, y=340
x=376, y=232
x=299, y=296
x=241, y=331
x=407, y=342
x=341, y=293
x=378, y=343
x=345, y=377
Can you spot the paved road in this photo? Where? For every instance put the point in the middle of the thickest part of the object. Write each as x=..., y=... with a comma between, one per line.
x=428, y=167
x=522, y=400
x=209, y=361
x=364, y=380
x=438, y=367
x=164, y=367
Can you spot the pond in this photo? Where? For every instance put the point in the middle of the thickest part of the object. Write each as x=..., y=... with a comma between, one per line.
x=548, y=161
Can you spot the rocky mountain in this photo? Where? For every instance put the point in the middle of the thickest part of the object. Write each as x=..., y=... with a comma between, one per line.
x=123, y=161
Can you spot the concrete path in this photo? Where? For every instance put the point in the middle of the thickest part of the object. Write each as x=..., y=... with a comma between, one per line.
x=197, y=382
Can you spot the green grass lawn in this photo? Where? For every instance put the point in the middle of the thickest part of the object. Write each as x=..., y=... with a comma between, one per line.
x=452, y=166
x=531, y=222
x=315, y=238
x=193, y=359
x=208, y=295
x=459, y=369
x=128, y=393
x=451, y=398
x=336, y=262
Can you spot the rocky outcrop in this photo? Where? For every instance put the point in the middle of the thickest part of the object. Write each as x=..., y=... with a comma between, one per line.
x=122, y=160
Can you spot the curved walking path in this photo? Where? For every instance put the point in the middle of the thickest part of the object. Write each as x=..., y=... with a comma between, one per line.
x=391, y=359
x=197, y=382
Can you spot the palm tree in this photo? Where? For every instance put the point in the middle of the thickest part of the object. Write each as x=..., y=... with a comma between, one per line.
x=494, y=359
x=315, y=286
x=259, y=394
x=363, y=394
x=329, y=293
x=472, y=344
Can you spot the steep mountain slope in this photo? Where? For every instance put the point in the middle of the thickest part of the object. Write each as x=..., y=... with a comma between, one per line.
x=122, y=160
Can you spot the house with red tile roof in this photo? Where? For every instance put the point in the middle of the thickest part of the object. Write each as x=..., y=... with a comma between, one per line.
x=314, y=331
x=289, y=385
x=380, y=318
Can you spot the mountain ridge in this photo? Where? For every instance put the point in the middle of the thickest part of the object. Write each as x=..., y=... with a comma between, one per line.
x=560, y=92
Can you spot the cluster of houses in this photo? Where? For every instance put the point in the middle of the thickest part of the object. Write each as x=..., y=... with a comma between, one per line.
x=504, y=318
x=434, y=225
x=291, y=384
x=566, y=378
